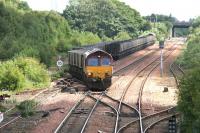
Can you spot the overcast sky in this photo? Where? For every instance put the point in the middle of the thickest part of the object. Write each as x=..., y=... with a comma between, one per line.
x=181, y=9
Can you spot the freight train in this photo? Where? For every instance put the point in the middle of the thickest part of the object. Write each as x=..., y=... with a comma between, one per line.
x=92, y=63
x=120, y=49
x=92, y=66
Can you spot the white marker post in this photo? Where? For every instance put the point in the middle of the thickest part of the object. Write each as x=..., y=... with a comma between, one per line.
x=59, y=63
x=161, y=46
x=161, y=62
x=1, y=117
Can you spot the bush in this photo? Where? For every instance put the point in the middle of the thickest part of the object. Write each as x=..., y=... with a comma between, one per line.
x=60, y=73
x=2, y=108
x=33, y=71
x=122, y=36
x=27, y=108
x=21, y=73
x=11, y=78
x=84, y=38
x=189, y=101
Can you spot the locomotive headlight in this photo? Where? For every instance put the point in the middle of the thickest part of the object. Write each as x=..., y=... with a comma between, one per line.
x=107, y=74
x=89, y=74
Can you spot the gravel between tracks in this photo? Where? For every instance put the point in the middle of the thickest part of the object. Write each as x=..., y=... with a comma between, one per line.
x=152, y=92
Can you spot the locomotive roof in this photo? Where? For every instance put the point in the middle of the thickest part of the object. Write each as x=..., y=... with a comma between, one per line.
x=87, y=52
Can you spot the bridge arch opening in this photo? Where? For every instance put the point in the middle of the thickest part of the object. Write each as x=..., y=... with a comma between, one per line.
x=179, y=26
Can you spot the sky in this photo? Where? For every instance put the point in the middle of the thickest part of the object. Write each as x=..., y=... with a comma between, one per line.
x=181, y=9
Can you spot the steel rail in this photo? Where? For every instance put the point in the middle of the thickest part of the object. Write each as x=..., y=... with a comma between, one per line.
x=145, y=117
x=140, y=94
x=174, y=75
x=91, y=112
x=18, y=117
x=115, y=110
x=128, y=85
x=14, y=119
x=142, y=86
x=162, y=119
x=143, y=83
x=69, y=114
x=172, y=65
x=179, y=67
x=118, y=110
x=134, y=62
x=123, y=103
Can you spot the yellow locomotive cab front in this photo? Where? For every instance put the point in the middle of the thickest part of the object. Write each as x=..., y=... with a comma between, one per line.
x=99, y=72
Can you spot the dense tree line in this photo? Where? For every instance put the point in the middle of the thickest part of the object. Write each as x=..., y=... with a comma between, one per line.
x=161, y=18
x=168, y=21
x=189, y=102
x=30, y=33
x=161, y=30
x=36, y=34
x=106, y=18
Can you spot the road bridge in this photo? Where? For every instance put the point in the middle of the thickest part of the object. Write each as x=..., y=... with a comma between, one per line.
x=180, y=25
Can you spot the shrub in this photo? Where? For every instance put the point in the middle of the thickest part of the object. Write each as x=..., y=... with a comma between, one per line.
x=122, y=36
x=33, y=71
x=11, y=78
x=21, y=73
x=189, y=101
x=60, y=73
x=27, y=108
x=2, y=108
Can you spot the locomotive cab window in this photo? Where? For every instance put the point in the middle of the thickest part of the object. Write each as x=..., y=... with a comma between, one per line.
x=92, y=62
x=105, y=61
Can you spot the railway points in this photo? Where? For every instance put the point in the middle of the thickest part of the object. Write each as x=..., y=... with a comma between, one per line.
x=121, y=104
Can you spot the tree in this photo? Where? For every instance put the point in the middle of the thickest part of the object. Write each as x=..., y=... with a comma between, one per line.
x=189, y=102
x=93, y=16
x=30, y=33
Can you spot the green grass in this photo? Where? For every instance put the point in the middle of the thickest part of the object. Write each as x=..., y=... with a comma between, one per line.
x=27, y=108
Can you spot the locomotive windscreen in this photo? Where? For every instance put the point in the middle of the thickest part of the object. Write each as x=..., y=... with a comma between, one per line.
x=105, y=61
x=93, y=61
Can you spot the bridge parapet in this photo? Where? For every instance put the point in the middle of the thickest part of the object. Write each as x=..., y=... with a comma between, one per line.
x=180, y=25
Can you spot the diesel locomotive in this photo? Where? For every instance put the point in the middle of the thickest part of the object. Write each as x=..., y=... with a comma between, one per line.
x=92, y=66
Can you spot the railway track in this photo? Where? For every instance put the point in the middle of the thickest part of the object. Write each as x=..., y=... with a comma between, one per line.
x=141, y=89
x=149, y=120
x=76, y=120
x=177, y=72
x=166, y=117
x=140, y=93
x=150, y=68
x=69, y=123
x=124, y=113
x=114, y=108
x=135, y=62
x=158, y=117
x=12, y=115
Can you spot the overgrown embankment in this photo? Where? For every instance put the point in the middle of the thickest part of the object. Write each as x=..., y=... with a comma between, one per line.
x=189, y=101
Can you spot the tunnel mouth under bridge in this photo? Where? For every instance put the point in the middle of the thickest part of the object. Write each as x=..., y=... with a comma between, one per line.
x=180, y=25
